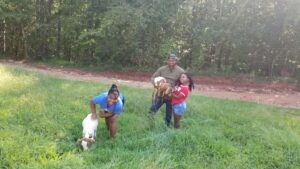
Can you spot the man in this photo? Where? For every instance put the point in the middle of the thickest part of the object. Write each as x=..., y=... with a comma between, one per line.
x=171, y=72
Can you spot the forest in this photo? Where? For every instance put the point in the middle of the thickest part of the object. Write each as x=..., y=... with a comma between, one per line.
x=256, y=37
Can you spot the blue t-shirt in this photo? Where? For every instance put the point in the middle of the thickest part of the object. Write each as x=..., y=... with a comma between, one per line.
x=101, y=99
x=121, y=96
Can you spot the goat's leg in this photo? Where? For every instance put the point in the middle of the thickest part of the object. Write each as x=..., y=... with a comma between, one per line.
x=78, y=142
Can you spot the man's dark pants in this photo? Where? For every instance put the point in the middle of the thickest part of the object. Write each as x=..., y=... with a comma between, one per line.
x=157, y=103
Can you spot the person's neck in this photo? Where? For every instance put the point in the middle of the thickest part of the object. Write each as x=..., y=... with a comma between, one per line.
x=172, y=67
x=185, y=84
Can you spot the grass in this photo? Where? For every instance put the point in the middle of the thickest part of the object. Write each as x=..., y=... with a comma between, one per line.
x=40, y=119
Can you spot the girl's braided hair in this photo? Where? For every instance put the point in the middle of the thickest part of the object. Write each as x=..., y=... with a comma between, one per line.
x=114, y=90
x=191, y=82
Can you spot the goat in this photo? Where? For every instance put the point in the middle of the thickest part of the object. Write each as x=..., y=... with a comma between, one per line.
x=163, y=88
x=89, y=126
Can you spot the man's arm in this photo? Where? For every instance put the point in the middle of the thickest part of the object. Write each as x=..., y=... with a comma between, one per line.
x=105, y=114
x=180, y=69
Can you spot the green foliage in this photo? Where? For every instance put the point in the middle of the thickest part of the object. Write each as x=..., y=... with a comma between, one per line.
x=298, y=78
x=40, y=120
x=248, y=36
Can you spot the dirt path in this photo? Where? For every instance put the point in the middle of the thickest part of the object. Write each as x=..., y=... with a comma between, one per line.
x=279, y=94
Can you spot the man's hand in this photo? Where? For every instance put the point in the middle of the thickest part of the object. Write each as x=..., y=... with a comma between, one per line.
x=105, y=114
x=94, y=116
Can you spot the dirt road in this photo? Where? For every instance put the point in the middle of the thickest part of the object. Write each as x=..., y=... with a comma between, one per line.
x=279, y=94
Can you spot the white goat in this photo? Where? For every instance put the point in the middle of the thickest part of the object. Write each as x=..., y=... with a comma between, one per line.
x=89, y=131
x=162, y=87
x=159, y=80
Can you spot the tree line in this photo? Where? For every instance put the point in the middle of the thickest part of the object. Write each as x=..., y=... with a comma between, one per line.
x=261, y=37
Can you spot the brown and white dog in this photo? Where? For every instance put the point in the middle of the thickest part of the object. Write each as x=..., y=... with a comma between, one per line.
x=89, y=132
x=163, y=88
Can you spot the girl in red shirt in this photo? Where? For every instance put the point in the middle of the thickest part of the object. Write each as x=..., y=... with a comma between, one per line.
x=180, y=92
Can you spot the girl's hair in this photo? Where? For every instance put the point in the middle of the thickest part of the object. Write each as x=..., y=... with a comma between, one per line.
x=114, y=90
x=191, y=83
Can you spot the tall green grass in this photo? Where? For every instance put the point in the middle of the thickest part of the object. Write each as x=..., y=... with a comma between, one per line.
x=40, y=120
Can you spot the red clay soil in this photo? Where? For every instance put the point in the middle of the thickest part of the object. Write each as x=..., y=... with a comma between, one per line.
x=273, y=93
x=220, y=82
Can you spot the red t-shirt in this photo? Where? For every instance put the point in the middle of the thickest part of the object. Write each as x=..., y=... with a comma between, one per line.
x=180, y=89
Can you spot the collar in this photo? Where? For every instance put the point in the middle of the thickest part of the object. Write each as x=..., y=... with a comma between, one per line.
x=171, y=70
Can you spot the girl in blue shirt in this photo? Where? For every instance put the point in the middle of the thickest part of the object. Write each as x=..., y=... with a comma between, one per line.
x=110, y=107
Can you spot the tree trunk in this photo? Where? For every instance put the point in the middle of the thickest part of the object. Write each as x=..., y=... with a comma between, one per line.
x=48, y=27
x=190, y=54
x=227, y=53
x=194, y=22
x=40, y=28
x=58, y=43
x=209, y=53
x=16, y=41
x=219, y=49
x=24, y=43
x=4, y=36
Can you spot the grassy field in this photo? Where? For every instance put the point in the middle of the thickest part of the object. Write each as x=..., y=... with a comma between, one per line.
x=40, y=120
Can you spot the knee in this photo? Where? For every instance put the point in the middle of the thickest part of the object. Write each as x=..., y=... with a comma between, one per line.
x=113, y=120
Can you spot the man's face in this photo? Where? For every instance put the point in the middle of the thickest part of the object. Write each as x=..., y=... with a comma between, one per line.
x=171, y=63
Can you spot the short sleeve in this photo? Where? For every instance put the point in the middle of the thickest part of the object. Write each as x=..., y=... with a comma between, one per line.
x=99, y=99
x=185, y=91
x=118, y=108
x=157, y=73
x=122, y=97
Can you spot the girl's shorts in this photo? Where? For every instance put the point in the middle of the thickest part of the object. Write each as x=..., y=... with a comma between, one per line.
x=179, y=109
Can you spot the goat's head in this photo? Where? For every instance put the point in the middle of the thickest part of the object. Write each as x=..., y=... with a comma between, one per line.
x=164, y=89
x=158, y=80
x=85, y=142
x=162, y=86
